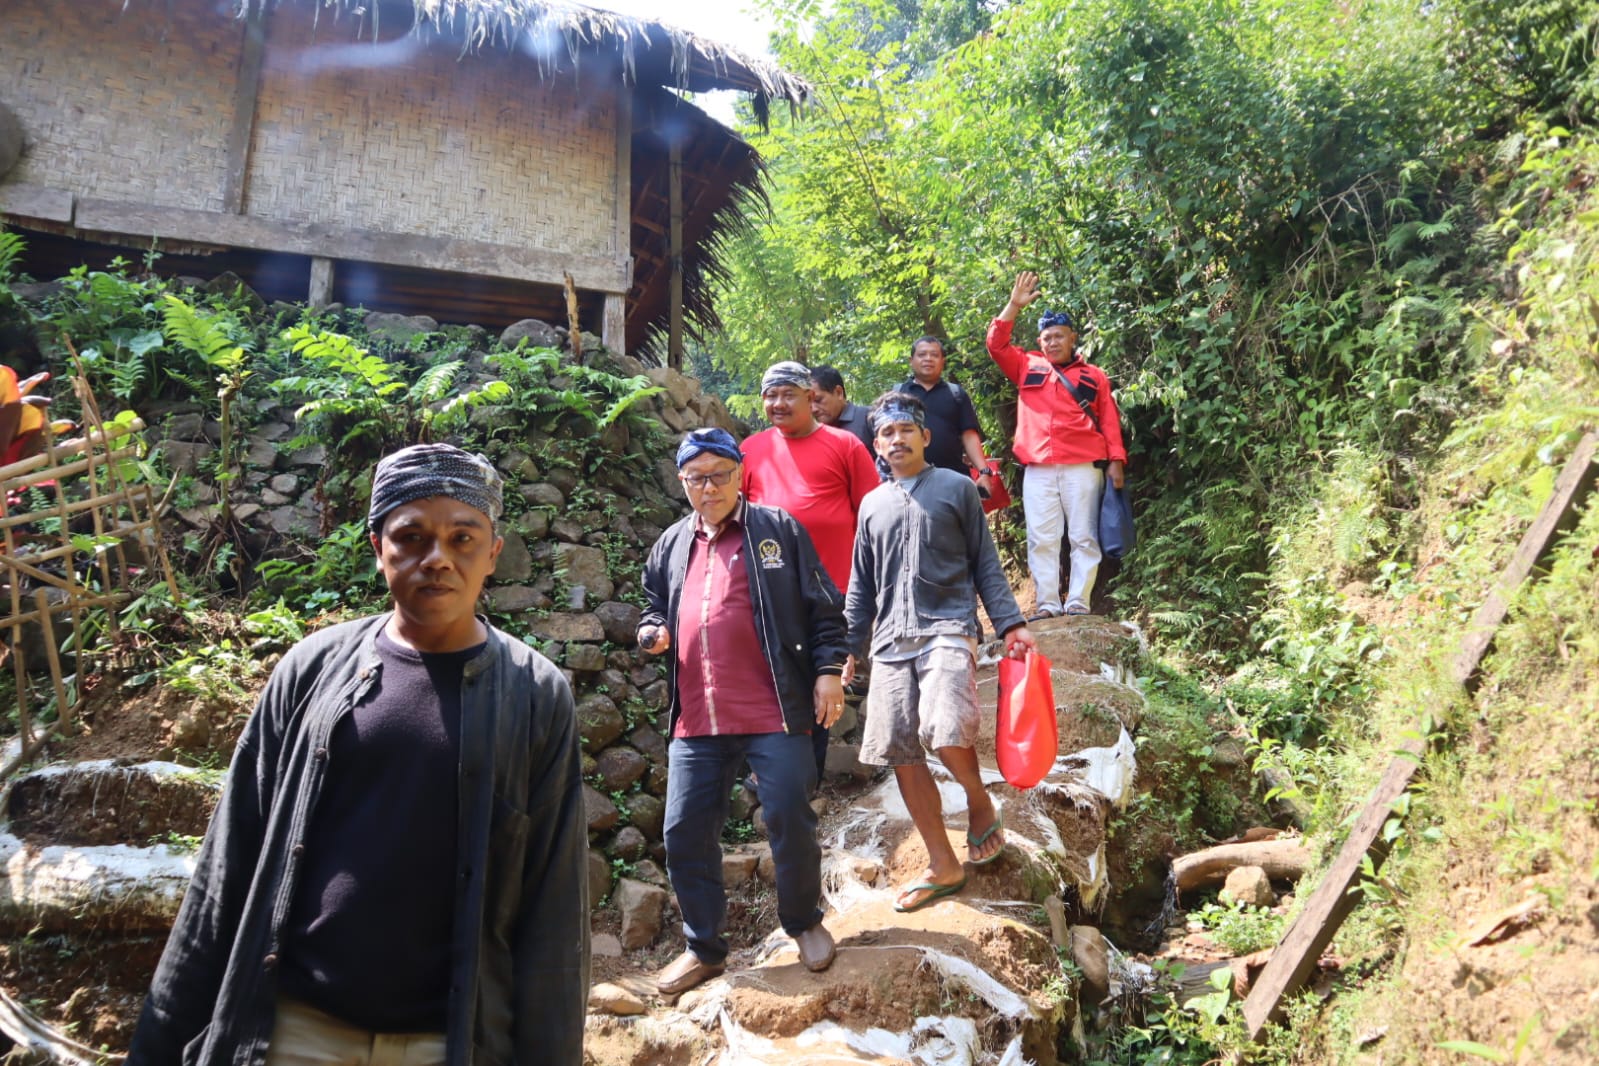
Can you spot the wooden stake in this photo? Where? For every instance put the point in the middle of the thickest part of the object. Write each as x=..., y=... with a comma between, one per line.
x=674, y=292
x=1337, y=894
x=63, y=711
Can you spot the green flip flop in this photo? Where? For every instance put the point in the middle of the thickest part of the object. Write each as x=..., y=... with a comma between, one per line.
x=973, y=843
x=936, y=892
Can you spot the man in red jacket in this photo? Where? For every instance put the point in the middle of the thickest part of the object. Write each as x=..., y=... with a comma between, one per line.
x=1069, y=436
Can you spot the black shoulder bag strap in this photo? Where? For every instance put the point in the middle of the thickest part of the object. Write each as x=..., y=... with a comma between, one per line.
x=1084, y=394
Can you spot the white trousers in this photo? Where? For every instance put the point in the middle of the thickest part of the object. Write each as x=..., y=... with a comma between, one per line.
x=305, y=1036
x=1058, y=500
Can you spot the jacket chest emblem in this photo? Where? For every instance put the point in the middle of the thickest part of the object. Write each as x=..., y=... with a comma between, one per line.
x=771, y=554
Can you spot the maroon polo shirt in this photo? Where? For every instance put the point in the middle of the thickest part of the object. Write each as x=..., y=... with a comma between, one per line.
x=724, y=684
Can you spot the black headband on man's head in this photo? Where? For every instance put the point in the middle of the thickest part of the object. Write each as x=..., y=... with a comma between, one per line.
x=893, y=407
x=1055, y=318
x=424, y=470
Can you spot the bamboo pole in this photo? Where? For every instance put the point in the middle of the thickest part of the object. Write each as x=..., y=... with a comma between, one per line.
x=74, y=446
x=73, y=508
x=110, y=598
x=24, y=481
x=63, y=711
x=19, y=666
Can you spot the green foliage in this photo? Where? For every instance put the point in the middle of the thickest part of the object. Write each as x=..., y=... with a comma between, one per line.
x=1238, y=927
x=339, y=575
x=542, y=380
x=114, y=322
x=11, y=248
x=348, y=394
x=222, y=671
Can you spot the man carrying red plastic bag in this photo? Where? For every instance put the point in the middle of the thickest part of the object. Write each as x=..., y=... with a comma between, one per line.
x=923, y=555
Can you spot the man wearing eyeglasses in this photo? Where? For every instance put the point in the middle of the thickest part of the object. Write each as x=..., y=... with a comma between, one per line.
x=755, y=628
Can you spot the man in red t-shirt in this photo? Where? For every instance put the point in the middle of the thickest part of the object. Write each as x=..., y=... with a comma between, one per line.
x=816, y=473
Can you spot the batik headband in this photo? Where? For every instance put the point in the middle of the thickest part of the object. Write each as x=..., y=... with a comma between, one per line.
x=891, y=413
x=1055, y=318
x=786, y=373
x=424, y=470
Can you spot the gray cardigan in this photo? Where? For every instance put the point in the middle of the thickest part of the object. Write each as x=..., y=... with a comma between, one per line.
x=923, y=555
x=519, y=968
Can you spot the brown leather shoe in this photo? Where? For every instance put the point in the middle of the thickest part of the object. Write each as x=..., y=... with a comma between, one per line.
x=816, y=948
x=685, y=972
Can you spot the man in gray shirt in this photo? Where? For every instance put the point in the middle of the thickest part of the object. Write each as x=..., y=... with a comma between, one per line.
x=923, y=555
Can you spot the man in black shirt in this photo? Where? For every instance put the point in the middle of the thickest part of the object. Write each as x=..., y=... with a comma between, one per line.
x=831, y=407
x=957, y=441
x=397, y=866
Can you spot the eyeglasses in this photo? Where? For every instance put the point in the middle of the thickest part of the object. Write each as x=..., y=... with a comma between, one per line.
x=699, y=481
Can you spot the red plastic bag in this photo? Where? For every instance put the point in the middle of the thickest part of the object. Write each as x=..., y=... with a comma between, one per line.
x=1027, y=739
x=999, y=498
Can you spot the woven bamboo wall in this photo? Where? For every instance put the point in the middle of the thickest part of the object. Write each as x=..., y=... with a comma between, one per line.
x=132, y=106
x=410, y=139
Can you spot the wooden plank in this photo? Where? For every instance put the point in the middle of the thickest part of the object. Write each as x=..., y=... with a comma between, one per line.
x=613, y=326
x=593, y=273
x=622, y=243
x=246, y=91
x=321, y=289
x=1336, y=895
x=1558, y=515
x=674, y=289
x=35, y=201
x=1334, y=898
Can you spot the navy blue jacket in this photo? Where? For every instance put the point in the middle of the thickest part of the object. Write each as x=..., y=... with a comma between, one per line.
x=799, y=613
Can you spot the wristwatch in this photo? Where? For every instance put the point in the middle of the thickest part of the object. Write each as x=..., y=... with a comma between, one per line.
x=992, y=471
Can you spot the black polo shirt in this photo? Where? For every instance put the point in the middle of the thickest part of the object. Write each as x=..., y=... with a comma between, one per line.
x=949, y=414
x=857, y=419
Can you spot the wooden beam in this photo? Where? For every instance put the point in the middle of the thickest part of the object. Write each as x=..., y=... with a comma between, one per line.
x=1558, y=515
x=1337, y=894
x=674, y=289
x=613, y=324
x=593, y=273
x=35, y=201
x=1296, y=953
x=623, y=233
x=246, y=91
x=321, y=289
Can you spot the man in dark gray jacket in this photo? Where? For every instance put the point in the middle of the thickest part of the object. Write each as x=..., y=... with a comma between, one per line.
x=923, y=555
x=397, y=865
x=754, y=628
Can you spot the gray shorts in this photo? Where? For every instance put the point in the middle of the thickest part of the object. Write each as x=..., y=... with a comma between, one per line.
x=928, y=702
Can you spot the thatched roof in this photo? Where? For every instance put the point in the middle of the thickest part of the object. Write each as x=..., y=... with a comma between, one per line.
x=555, y=33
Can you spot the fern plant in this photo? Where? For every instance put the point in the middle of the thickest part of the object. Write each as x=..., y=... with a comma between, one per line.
x=10, y=251
x=348, y=400
x=210, y=338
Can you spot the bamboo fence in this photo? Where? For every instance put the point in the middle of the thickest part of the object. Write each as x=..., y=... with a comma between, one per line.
x=46, y=575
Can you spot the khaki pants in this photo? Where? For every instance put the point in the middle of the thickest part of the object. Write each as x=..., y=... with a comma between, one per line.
x=304, y=1036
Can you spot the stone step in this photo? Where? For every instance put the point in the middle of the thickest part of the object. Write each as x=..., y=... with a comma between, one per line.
x=109, y=802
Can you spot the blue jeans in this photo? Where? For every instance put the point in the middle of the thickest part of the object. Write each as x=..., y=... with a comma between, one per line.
x=700, y=773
